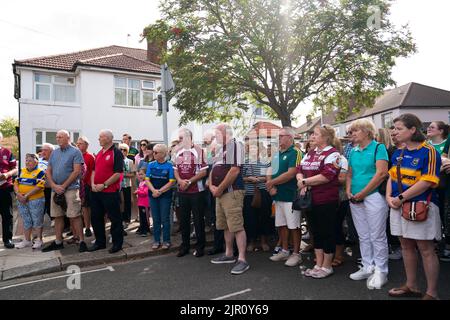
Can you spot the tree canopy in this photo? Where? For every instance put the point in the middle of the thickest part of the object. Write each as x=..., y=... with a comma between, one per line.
x=229, y=54
x=8, y=126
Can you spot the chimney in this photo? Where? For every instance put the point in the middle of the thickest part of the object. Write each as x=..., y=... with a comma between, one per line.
x=154, y=50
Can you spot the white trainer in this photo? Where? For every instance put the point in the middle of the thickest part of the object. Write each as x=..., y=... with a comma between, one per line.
x=362, y=273
x=37, y=244
x=280, y=256
x=24, y=244
x=294, y=260
x=377, y=280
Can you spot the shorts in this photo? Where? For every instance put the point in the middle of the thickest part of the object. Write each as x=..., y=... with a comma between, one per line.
x=32, y=213
x=73, y=205
x=229, y=213
x=285, y=216
x=429, y=229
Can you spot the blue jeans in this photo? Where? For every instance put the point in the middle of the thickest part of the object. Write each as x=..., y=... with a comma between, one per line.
x=161, y=215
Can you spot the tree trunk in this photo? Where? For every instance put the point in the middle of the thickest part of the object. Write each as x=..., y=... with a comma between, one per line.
x=285, y=120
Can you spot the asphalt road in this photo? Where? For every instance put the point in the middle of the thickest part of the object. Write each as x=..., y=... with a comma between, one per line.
x=189, y=278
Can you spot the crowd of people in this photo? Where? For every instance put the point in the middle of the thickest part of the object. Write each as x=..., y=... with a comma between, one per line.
x=390, y=187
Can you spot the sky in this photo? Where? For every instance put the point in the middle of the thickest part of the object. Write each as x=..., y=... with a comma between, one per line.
x=30, y=28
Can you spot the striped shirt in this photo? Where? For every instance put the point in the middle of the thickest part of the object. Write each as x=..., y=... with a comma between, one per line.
x=254, y=169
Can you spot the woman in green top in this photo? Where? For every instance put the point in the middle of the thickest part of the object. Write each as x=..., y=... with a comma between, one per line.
x=437, y=133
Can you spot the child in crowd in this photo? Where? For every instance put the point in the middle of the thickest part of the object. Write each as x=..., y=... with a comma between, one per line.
x=143, y=204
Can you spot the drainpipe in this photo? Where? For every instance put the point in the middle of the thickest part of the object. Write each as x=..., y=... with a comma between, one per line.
x=17, y=97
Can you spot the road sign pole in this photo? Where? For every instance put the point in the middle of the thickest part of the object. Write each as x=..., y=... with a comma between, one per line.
x=164, y=104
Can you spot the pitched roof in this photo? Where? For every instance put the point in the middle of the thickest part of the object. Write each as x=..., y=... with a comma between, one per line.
x=329, y=118
x=411, y=95
x=112, y=57
x=267, y=128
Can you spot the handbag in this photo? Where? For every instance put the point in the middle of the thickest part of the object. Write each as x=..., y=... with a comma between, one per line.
x=412, y=210
x=256, y=200
x=302, y=202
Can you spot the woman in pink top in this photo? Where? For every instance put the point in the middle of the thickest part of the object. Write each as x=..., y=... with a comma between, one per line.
x=143, y=204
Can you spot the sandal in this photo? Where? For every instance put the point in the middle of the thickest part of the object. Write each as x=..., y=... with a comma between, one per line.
x=428, y=297
x=405, y=292
x=322, y=273
x=310, y=272
x=337, y=262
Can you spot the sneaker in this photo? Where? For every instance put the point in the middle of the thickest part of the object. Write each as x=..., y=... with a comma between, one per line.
x=37, y=244
x=165, y=246
x=445, y=256
x=310, y=272
x=223, y=259
x=280, y=256
x=395, y=254
x=110, y=239
x=83, y=247
x=294, y=260
x=276, y=250
x=53, y=246
x=240, y=267
x=322, y=273
x=88, y=232
x=24, y=244
x=362, y=273
x=377, y=280
x=155, y=246
x=143, y=234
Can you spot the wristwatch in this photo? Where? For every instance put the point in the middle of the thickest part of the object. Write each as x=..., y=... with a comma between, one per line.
x=105, y=185
x=189, y=182
x=304, y=182
x=400, y=196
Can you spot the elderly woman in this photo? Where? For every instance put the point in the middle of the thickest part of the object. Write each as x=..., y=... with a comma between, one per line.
x=419, y=165
x=159, y=179
x=29, y=189
x=319, y=171
x=368, y=168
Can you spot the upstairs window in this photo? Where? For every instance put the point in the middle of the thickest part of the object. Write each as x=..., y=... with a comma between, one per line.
x=133, y=92
x=54, y=88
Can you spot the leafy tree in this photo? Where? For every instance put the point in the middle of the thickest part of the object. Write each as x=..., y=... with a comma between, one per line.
x=8, y=126
x=276, y=54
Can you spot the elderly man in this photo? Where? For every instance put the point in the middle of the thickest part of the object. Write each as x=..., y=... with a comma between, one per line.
x=227, y=186
x=89, y=160
x=63, y=175
x=282, y=186
x=46, y=151
x=8, y=168
x=105, y=181
x=190, y=168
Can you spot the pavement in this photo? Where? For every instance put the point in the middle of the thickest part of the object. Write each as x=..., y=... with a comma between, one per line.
x=17, y=263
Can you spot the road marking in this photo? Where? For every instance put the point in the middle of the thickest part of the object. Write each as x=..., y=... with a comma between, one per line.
x=110, y=268
x=233, y=294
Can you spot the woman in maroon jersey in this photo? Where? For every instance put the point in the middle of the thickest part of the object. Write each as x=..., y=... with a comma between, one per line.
x=319, y=173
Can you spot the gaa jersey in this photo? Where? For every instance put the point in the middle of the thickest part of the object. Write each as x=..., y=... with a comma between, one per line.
x=28, y=180
x=7, y=163
x=159, y=174
x=188, y=163
x=421, y=164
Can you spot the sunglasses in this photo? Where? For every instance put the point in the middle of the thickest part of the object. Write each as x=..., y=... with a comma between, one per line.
x=156, y=152
x=123, y=150
x=143, y=144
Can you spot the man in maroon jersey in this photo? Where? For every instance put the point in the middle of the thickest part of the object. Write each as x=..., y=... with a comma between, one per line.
x=8, y=168
x=190, y=168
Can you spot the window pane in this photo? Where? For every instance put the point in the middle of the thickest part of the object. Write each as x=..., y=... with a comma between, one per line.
x=50, y=137
x=42, y=92
x=121, y=97
x=42, y=78
x=147, y=98
x=64, y=80
x=38, y=137
x=120, y=82
x=133, y=84
x=64, y=93
x=258, y=111
x=133, y=98
x=76, y=135
x=148, y=84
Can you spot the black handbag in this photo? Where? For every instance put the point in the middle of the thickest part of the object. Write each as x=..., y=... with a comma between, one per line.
x=302, y=202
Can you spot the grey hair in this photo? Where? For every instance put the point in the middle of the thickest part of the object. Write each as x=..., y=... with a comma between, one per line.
x=290, y=131
x=49, y=145
x=65, y=132
x=108, y=133
x=85, y=139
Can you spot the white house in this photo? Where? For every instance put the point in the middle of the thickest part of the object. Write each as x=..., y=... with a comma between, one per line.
x=428, y=103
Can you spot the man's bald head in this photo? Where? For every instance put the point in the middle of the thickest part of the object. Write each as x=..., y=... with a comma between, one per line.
x=63, y=138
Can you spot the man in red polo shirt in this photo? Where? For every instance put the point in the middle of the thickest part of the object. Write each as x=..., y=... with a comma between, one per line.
x=105, y=181
x=89, y=161
x=190, y=168
x=8, y=168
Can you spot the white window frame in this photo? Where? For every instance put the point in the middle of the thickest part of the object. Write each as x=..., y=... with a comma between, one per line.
x=142, y=89
x=44, y=134
x=51, y=84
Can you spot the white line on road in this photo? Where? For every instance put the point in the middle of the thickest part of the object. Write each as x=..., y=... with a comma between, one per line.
x=233, y=294
x=110, y=268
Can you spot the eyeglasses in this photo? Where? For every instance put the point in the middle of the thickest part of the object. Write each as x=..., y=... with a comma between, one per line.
x=156, y=152
x=143, y=144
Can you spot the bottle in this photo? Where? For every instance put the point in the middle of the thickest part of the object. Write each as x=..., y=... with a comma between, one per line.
x=273, y=209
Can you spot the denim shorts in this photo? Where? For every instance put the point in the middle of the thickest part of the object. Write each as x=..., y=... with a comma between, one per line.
x=32, y=213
